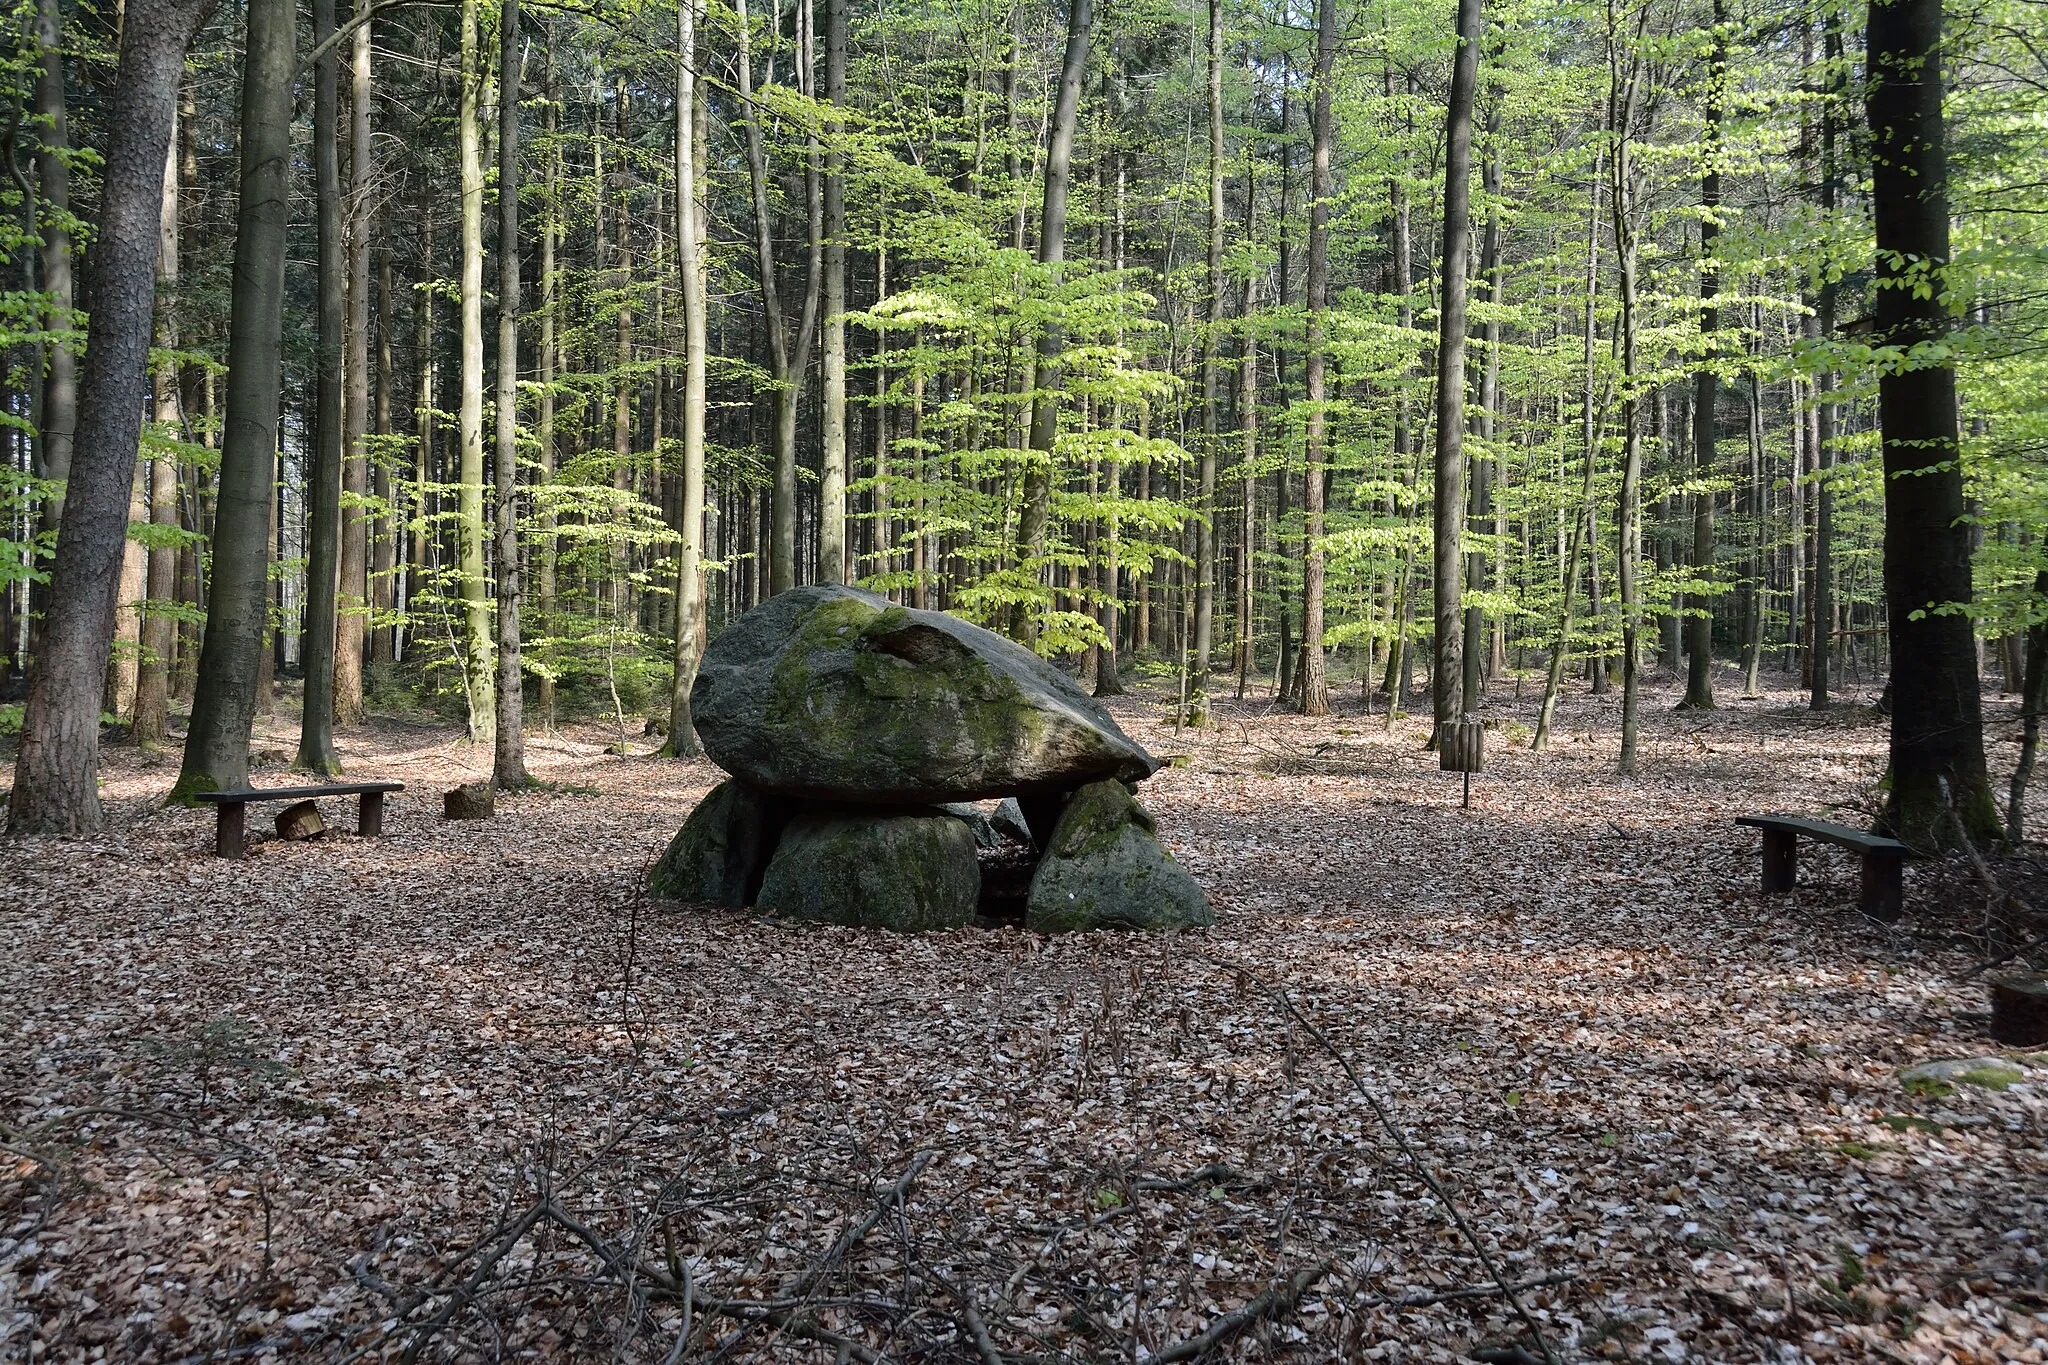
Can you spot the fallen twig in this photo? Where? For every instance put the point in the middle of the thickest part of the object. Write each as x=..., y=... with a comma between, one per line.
x=1273, y=1303
x=1386, y=1118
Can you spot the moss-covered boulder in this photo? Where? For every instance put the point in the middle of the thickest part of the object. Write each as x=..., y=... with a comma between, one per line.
x=720, y=853
x=1104, y=868
x=832, y=693
x=903, y=872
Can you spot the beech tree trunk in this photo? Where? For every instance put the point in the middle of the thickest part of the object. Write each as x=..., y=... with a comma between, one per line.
x=690, y=612
x=1314, y=680
x=1699, y=624
x=159, y=625
x=508, y=754
x=1940, y=793
x=478, y=657
x=1212, y=426
x=832, y=548
x=58, y=426
x=323, y=481
x=352, y=622
x=1052, y=253
x=56, y=788
x=1447, y=679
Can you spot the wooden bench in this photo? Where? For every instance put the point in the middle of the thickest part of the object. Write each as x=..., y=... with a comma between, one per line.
x=1884, y=860
x=230, y=836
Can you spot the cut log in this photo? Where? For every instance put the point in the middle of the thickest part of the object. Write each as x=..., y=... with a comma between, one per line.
x=470, y=801
x=2019, y=1010
x=300, y=821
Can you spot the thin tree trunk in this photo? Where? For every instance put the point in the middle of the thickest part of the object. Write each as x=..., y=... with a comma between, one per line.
x=690, y=622
x=2033, y=701
x=1052, y=252
x=1827, y=416
x=352, y=624
x=323, y=481
x=1212, y=427
x=1699, y=625
x=159, y=624
x=1315, y=687
x=1448, y=675
x=58, y=427
x=478, y=661
x=1625, y=70
x=832, y=548
x=544, y=426
x=508, y=752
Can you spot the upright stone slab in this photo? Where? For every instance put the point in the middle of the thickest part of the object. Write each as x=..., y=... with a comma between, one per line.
x=720, y=853
x=901, y=872
x=833, y=694
x=1104, y=868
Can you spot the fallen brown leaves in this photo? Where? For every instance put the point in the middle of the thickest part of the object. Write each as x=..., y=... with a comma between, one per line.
x=464, y=1093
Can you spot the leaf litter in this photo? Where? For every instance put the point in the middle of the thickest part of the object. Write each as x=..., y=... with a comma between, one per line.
x=465, y=1092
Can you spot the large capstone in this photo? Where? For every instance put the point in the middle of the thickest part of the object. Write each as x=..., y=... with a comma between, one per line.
x=1104, y=868
x=719, y=855
x=901, y=872
x=833, y=693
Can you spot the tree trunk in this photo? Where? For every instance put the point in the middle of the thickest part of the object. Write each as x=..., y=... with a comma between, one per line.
x=125, y=654
x=544, y=426
x=690, y=614
x=1052, y=252
x=1699, y=625
x=478, y=657
x=1477, y=661
x=1827, y=414
x=352, y=623
x=832, y=549
x=56, y=773
x=1940, y=793
x=2033, y=701
x=508, y=753
x=323, y=481
x=159, y=623
x=58, y=427
x=1625, y=73
x=1447, y=678
x=1314, y=681
x=1212, y=428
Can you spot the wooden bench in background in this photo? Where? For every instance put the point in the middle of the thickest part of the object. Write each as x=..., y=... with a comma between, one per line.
x=230, y=839
x=1884, y=860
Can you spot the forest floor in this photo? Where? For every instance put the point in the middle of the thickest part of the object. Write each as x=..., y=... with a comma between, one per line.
x=466, y=1093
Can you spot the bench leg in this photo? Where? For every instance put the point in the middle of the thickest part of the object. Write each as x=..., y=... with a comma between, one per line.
x=1884, y=886
x=370, y=815
x=1781, y=861
x=229, y=837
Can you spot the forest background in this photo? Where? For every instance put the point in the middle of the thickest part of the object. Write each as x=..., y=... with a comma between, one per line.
x=1127, y=333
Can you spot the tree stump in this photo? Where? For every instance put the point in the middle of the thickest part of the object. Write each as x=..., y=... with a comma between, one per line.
x=470, y=801
x=300, y=821
x=2019, y=1010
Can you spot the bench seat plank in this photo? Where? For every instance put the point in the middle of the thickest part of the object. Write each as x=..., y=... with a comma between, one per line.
x=1842, y=835
x=248, y=795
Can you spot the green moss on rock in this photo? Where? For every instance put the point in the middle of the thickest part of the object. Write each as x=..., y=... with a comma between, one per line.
x=832, y=693
x=1104, y=868
x=909, y=873
x=718, y=855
